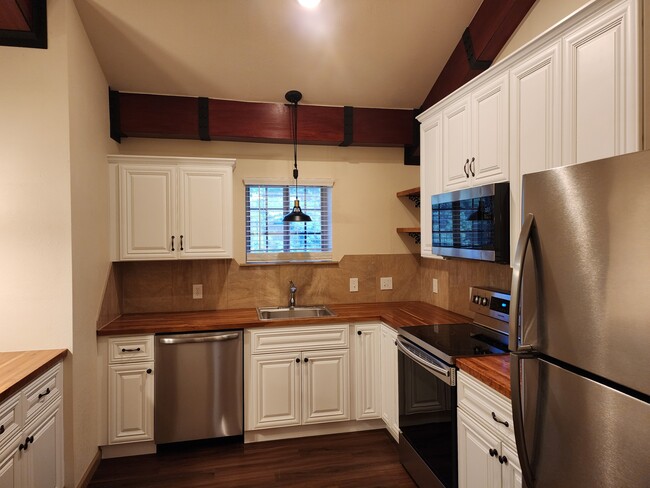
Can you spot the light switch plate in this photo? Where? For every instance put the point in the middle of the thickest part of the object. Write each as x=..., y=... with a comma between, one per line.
x=435, y=285
x=197, y=291
x=354, y=284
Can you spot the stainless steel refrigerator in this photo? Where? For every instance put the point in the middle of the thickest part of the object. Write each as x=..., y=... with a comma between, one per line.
x=580, y=326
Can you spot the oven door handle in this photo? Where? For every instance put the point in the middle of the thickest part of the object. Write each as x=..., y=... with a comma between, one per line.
x=436, y=367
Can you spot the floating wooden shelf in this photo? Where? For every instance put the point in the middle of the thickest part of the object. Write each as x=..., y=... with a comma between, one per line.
x=413, y=194
x=413, y=232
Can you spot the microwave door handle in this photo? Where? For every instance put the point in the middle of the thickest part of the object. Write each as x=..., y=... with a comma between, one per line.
x=517, y=278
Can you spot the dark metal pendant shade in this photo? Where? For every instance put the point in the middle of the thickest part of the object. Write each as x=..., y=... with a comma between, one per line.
x=296, y=215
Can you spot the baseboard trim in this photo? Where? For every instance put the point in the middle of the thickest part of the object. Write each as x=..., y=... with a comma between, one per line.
x=90, y=472
x=312, y=430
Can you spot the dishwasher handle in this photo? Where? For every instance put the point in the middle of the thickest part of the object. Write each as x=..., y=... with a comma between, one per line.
x=197, y=340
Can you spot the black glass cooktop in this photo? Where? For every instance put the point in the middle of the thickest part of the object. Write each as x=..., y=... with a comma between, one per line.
x=449, y=341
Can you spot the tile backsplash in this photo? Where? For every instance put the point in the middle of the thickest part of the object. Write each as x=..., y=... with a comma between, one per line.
x=166, y=286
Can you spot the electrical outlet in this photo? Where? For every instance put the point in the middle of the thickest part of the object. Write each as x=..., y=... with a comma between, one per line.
x=435, y=285
x=197, y=291
x=354, y=284
x=386, y=283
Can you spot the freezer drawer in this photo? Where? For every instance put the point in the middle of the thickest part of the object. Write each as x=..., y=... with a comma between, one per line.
x=199, y=386
x=579, y=432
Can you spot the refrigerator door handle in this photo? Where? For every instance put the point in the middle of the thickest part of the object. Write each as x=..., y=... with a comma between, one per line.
x=517, y=276
x=518, y=418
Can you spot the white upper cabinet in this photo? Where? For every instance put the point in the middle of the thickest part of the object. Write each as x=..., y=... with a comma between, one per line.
x=601, y=86
x=475, y=136
x=431, y=152
x=170, y=208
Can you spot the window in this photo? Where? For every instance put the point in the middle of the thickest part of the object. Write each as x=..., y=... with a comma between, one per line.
x=269, y=239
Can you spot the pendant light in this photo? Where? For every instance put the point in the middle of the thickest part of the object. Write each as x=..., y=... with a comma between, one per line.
x=296, y=215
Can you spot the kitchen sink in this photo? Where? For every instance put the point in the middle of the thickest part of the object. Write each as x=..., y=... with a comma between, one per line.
x=283, y=313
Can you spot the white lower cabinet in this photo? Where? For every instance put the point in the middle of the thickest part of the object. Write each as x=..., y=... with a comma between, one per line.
x=367, y=361
x=32, y=457
x=307, y=385
x=389, y=388
x=130, y=372
x=487, y=456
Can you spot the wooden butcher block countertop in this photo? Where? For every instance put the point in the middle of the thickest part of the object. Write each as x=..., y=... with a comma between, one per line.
x=492, y=370
x=19, y=368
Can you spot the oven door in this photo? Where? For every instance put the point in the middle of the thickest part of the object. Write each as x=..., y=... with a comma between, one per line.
x=427, y=417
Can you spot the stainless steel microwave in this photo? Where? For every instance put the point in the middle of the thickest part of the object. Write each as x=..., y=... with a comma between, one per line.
x=473, y=223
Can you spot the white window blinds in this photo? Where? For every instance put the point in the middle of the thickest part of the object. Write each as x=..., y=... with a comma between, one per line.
x=269, y=239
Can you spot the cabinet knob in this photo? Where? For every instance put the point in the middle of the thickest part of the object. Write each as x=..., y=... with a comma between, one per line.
x=503, y=460
x=493, y=452
x=173, y=244
x=2, y=429
x=149, y=371
x=297, y=360
x=358, y=332
x=306, y=360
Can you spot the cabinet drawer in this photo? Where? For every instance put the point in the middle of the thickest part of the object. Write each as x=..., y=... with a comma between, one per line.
x=129, y=349
x=486, y=404
x=10, y=420
x=283, y=339
x=40, y=392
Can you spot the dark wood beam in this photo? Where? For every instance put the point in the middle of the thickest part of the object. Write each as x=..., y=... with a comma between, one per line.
x=143, y=115
x=23, y=23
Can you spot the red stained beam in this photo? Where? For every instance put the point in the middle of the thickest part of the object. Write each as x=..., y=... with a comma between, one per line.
x=142, y=115
x=13, y=17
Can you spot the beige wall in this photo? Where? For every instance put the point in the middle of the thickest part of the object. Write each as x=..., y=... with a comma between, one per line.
x=542, y=16
x=89, y=144
x=365, y=210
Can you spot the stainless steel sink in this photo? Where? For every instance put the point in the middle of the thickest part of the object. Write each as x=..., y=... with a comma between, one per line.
x=283, y=313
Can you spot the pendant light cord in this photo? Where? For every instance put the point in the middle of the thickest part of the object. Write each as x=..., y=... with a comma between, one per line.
x=295, y=144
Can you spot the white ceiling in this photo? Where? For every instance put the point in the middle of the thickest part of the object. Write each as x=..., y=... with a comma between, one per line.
x=364, y=53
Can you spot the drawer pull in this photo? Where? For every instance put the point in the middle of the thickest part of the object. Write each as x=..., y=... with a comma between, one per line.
x=137, y=349
x=41, y=395
x=496, y=419
x=2, y=429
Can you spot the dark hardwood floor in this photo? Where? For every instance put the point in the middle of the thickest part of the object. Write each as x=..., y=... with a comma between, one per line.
x=363, y=459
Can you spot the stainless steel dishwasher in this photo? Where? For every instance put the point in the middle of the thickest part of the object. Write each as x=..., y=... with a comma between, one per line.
x=199, y=386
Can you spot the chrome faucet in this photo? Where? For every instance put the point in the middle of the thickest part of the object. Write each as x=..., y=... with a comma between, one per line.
x=292, y=294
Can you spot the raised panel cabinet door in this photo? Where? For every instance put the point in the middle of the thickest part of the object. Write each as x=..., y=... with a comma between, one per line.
x=478, y=451
x=456, y=145
x=205, y=214
x=131, y=403
x=601, y=86
x=389, y=388
x=42, y=461
x=325, y=386
x=535, y=130
x=147, y=212
x=367, y=354
x=430, y=175
x=490, y=132
x=275, y=386
x=510, y=471
x=9, y=471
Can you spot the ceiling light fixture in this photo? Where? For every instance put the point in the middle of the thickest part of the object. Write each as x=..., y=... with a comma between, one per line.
x=296, y=215
x=309, y=3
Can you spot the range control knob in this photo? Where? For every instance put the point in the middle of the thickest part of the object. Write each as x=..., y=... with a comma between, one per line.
x=484, y=301
x=476, y=299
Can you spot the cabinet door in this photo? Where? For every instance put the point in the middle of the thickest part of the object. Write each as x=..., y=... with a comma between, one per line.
x=147, y=212
x=325, y=386
x=601, y=87
x=535, y=90
x=389, y=389
x=9, y=471
x=490, y=130
x=275, y=387
x=205, y=216
x=510, y=471
x=42, y=462
x=430, y=175
x=477, y=467
x=456, y=145
x=367, y=355
x=131, y=403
